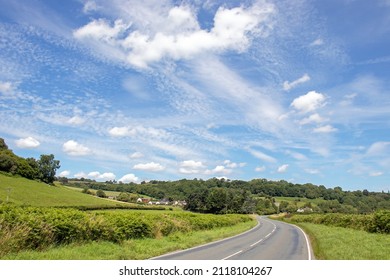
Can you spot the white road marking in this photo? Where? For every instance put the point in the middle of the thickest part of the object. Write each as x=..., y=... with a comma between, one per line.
x=236, y=253
x=307, y=242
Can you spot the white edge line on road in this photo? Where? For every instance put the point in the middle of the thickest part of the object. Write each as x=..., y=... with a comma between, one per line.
x=307, y=242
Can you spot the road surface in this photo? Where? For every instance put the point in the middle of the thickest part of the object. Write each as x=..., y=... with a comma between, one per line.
x=269, y=240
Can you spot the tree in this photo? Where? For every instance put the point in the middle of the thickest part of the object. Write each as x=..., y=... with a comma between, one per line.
x=101, y=193
x=47, y=168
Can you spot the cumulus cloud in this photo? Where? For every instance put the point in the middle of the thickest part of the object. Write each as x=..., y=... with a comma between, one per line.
x=73, y=148
x=129, y=178
x=309, y=102
x=289, y=85
x=220, y=169
x=325, y=129
x=230, y=164
x=151, y=166
x=107, y=176
x=181, y=36
x=282, y=168
x=191, y=167
x=27, y=143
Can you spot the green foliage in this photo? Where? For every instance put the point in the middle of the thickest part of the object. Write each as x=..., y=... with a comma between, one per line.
x=47, y=168
x=378, y=222
x=39, y=228
x=240, y=194
x=43, y=169
x=101, y=193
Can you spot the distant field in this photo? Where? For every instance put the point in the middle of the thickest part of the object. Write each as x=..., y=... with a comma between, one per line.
x=22, y=191
x=301, y=201
x=108, y=193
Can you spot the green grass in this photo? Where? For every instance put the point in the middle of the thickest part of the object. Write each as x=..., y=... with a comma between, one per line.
x=301, y=201
x=134, y=249
x=337, y=243
x=21, y=191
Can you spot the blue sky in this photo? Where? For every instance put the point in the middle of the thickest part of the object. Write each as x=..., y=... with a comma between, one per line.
x=141, y=90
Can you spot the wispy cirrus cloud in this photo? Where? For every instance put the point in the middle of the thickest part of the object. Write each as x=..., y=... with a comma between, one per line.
x=289, y=85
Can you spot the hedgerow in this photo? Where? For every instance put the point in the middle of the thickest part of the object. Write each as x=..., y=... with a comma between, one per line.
x=378, y=222
x=38, y=228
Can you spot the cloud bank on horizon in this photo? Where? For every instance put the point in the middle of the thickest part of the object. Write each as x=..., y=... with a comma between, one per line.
x=131, y=91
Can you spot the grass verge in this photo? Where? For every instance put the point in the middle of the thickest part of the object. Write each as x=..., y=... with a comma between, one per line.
x=133, y=249
x=337, y=243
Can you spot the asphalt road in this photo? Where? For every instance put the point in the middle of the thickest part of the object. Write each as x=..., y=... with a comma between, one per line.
x=269, y=240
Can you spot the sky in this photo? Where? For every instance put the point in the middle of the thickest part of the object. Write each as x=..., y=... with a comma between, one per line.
x=135, y=91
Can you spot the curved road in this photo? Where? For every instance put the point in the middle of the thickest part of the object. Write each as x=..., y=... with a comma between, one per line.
x=269, y=240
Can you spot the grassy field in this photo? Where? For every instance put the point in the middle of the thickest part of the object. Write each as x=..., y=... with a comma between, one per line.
x=337, y=243
x=301, y=201
x=22, y=191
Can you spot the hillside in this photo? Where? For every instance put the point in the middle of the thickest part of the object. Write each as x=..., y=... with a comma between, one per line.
x=23, y=191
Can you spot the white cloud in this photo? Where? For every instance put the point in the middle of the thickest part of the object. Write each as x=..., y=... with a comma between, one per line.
x=73, y=148
x=191, y=167
x=136, y=155
x=309, y=102
x=317, y=42
x=314, y=118
x=101, y=30
x=6, y=88
x=376, y=173
x=378, y=149
x=262, y=156
x=296, y=155
x=325, y=129
x=230, y=164
x=64, y=173
x=108, y=176
x=312, y=171
x=282, y=168
x=287, y=85
x=139, y=130
x=120, y=131
x=129, y=178
x=220, y=169
x=76, y=120
x=260, y=168
x=90, y=6
x=80, y=175
x=151, y=166
x=27, y=143
x=180, y=36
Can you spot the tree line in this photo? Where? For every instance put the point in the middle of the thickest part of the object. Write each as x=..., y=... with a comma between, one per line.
x=43, y=169
x=257, y=195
